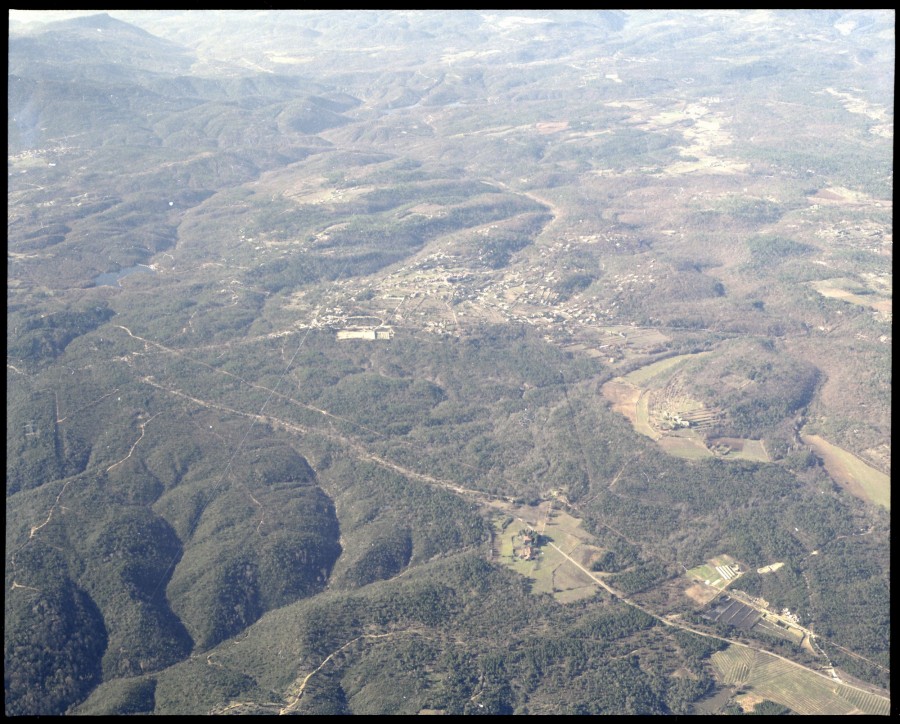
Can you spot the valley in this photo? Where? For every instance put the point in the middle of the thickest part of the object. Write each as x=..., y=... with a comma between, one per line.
x=449, y=362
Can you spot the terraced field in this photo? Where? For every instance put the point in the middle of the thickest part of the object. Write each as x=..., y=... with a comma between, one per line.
x=656, y=401
x=653, y=399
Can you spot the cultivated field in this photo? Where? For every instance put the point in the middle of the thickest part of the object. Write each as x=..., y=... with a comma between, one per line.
x=642, y=418
x=802, y=691
x=550, y=571
x=858, y=478
x=571, y=584
x=644, y=374
x=688, y=446
x=655, y=400
x=849, y=290
x=736, y=448
x=709, y=581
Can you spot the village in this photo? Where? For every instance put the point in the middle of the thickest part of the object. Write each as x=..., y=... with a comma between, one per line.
x=438, y=294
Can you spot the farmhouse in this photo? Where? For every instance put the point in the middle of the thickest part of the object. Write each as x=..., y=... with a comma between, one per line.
x=530, y=547
x=526, y=553
x=673, y=421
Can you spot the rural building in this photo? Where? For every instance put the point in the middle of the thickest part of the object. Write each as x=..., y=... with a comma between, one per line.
x=370, y=333
x=526, y=553
x=530, y=547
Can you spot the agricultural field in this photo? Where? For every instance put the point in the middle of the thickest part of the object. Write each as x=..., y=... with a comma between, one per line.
x=715, y=703
x=550, y=570
x=860, y=479
x=643, y=375
x=685, y=445
x=801, y=691
x=716, y=574
x=439, y=312
x=850, y=290
x=657, y=400
x=739, y=449
x=642, y=418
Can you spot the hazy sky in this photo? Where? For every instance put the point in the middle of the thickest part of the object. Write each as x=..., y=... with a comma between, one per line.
x=45, y=16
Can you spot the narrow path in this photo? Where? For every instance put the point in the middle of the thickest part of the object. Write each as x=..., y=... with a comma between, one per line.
x=286, y=398
x=36, y=528
x=685, y=627
x=143, y=429
x=860, y=657
x=291, y=707
x=484, y=498
x=15, y=585
x=459, y=489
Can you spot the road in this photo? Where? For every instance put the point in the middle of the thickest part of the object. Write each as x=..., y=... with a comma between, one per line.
x=480, y=496
x=685, y=627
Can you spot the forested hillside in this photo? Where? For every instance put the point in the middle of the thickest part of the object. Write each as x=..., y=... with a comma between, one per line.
x=456, y=362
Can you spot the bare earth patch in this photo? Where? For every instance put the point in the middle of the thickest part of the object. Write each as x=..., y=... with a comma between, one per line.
x=747, y=702
x=624, y=397
x=855, y=104
x=701, y=594
x=770, y=568
x=835, y=289
x=838, y=195
x=554, y=127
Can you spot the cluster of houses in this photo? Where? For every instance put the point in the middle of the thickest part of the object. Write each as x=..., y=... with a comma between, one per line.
x=530, y=544
x=673, y=421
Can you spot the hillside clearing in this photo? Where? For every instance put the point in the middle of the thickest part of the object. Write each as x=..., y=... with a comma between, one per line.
x=858, y=478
